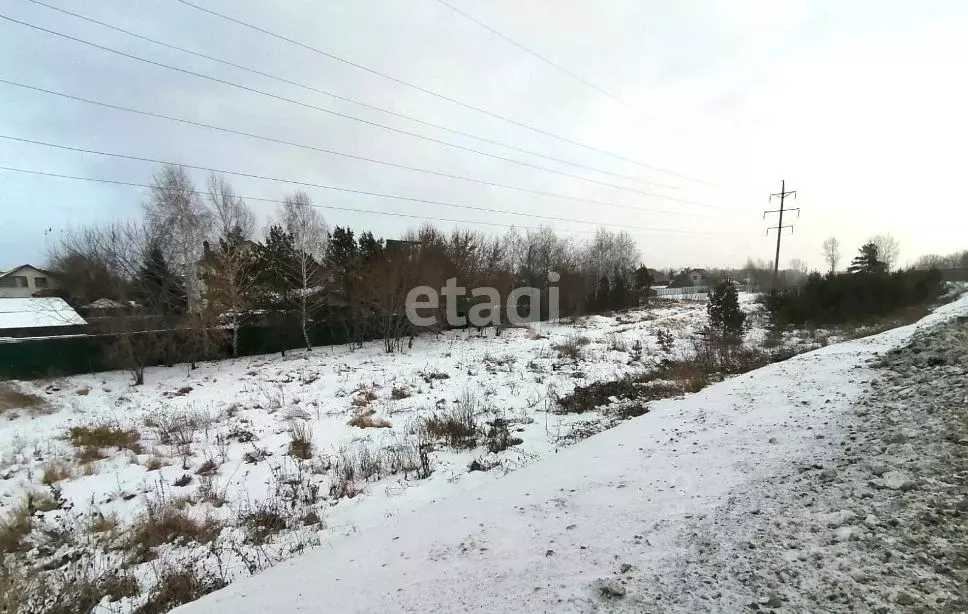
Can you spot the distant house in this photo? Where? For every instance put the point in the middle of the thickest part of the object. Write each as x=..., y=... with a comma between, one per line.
x=658, y=277
x=698, y=277
x=690, y=278
x=26, y=281
x=38, y=317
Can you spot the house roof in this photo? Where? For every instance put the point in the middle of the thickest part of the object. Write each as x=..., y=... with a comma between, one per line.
x=25, y=266
x=105, y=303
x=37, y=313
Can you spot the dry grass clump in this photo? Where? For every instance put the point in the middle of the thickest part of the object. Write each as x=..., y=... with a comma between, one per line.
x=535, y=335
x=154, y=463
x=571, y=347
x=14, y=527
x=367, y=420
x=56, y=471
x=102, y=523
x=178, y=586
x=399, y=392
x=457, y=427
x=105, y=436
x=78, y=587
x=207, y=468
x=263, y=521
x=672, y=379
x=364, y=396
x=37, y=501
x=164, y=524
x=175, y=428
x=300, y=439
x=616, y=342
x=12, y=397
x=430, y=376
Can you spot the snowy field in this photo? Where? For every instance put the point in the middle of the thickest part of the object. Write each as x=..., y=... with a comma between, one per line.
x=97, y=456
x=240, y=465
x=659, y=513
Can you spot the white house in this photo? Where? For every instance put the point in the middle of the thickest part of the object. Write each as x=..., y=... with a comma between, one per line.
x=25, y=281
x=36, y=317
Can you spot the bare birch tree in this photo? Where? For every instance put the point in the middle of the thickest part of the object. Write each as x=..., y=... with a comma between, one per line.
x=231, y=259
x=308, y=231
x=178, y=217
x=888, y=249
x=831, y=253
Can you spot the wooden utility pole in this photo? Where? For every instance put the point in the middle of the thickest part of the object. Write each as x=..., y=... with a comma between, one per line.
x=779, y=227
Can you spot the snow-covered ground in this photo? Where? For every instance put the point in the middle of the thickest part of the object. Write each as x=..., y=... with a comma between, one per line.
x=215, y=442
x=547, y=526
x=633, y=519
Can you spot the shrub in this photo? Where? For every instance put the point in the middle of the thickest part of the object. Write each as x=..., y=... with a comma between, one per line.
x=399, y=392
x=498, y=436
x=300, y=439
x=673, y=378
x=843, y=298
x=665, y=339
x=176, y=429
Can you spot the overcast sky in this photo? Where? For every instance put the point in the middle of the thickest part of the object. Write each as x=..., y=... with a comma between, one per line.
x=860, y=106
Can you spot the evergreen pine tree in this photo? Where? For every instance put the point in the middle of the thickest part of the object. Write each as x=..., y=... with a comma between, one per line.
x=621, y=295
x=604, y=294
x=643, y=283
x=867, y=261
x=726, y=319
x=161, y=288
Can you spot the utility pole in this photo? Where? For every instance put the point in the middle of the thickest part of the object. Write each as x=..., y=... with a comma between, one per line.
x=779, y=227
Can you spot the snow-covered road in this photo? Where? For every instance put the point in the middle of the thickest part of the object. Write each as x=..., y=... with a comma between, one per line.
x=596, y=525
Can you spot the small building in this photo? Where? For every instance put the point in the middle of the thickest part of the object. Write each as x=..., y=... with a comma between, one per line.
x=698, y=277
x=39, y=317
x=26, y=281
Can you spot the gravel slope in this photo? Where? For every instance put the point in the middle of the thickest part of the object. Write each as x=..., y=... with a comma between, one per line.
x=878, y=522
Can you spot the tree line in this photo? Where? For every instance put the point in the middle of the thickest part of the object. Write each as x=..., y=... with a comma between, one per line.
x=195, y=270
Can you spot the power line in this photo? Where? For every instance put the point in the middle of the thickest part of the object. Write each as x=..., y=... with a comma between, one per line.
x=313, y=185
x=256, y=198
x=466, y=105
x=328, y=111
x=316, y=90
x=544, y=59
x=346, y=155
